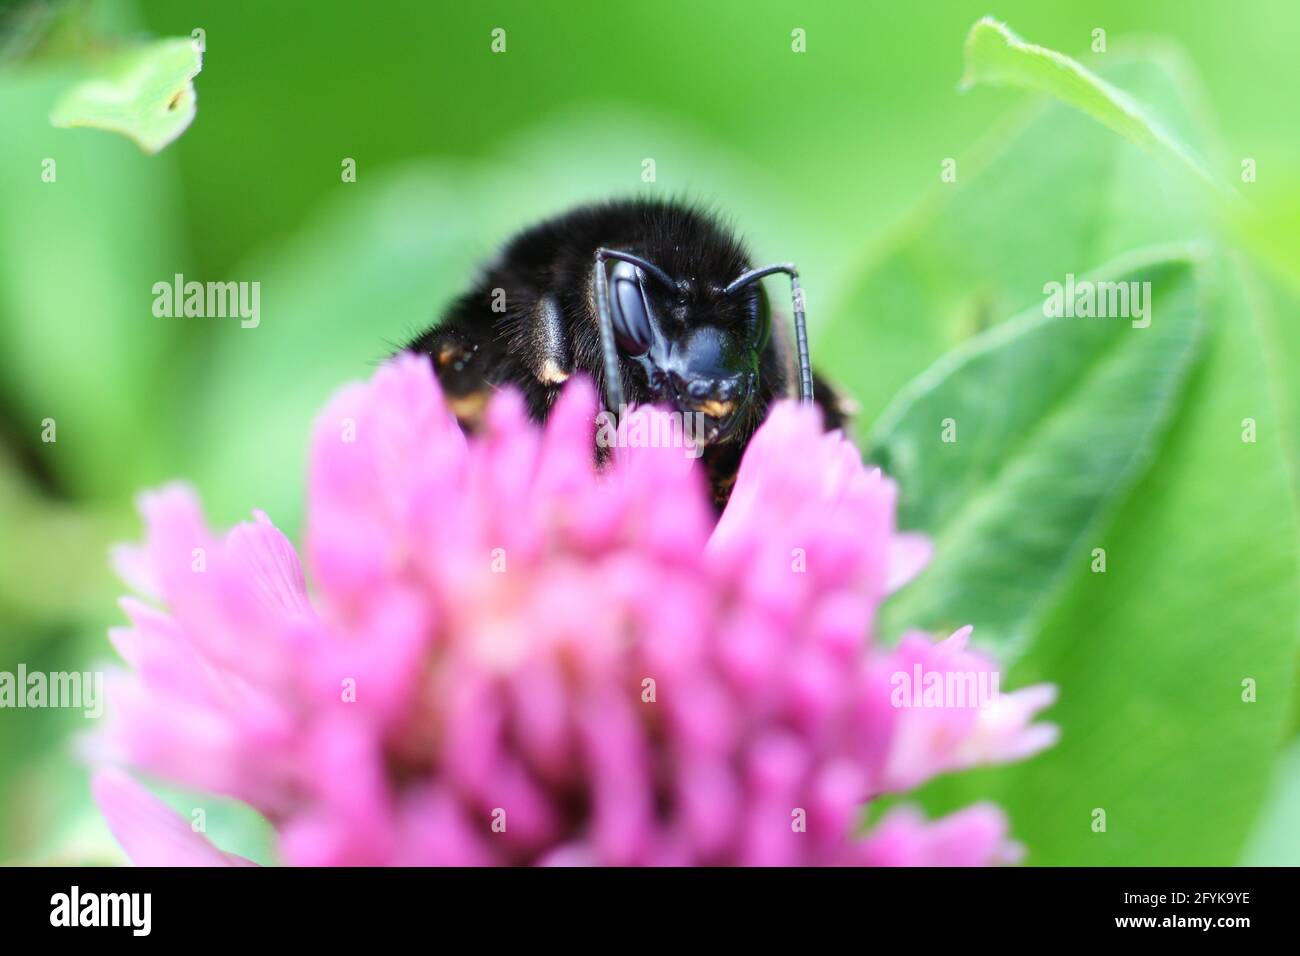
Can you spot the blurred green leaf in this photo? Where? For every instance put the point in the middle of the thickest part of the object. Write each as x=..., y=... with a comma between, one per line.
x=89, y=225
x=1044, y=196
x=145, y=92
x=996, y=56
x=232, y=826
x=60, y=573
x=1276, y=840
x=1268, y=231
x=335, y=303
x=1200, y=590
x=41, y=784
x=1200, y=594
x=1051, y=419
x=1277, y=301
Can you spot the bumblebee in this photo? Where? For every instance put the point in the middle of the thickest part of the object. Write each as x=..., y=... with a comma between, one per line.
x=657, y=301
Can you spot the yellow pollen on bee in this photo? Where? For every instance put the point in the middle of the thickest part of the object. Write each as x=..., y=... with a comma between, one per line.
x=468, y=408
x=715, y=409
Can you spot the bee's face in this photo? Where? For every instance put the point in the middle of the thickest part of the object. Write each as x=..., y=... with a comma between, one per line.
x=697, y=349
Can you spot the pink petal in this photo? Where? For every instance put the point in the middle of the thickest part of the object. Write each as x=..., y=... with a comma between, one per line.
x=151, y=833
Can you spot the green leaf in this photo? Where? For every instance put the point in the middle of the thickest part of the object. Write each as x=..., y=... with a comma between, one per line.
x=1047, y=194
x=1277, y=302
x=1199, y=595
x=1009, y=451
x=146, y=93
x=79, y=343
x=59, y=571
x=335, y=302
x=1276, y=840
x=996, y=56
x=1200, y=589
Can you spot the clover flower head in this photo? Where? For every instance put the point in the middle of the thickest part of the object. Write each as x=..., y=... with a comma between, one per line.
x=509, y=655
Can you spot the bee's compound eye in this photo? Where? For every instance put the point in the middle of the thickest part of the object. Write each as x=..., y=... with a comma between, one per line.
x=630, y=312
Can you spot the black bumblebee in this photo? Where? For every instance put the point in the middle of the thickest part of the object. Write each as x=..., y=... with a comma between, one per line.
x=657, y=301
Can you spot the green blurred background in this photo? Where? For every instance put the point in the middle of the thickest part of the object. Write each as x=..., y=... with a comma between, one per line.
x=822, y=158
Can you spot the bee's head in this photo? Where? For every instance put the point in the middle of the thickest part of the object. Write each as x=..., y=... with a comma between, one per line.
x=689, y=343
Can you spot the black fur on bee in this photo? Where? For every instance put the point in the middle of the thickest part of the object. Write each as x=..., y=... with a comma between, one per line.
x=657, y=301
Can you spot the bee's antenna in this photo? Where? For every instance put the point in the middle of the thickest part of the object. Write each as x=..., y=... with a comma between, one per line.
x=800, y=324
x=609, y=350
